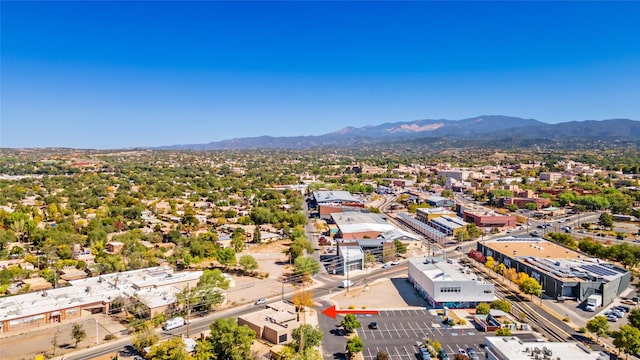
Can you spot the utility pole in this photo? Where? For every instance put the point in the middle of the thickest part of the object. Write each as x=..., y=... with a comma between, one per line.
x=188, y=298
x=347, y=269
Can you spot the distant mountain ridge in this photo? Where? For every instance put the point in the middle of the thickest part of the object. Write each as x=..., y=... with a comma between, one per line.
x=486, y=127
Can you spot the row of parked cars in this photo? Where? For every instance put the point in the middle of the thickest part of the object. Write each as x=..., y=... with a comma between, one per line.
x=616, y=313
x=469, y=354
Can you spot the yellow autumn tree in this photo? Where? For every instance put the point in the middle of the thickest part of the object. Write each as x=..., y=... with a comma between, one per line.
x=490, y=262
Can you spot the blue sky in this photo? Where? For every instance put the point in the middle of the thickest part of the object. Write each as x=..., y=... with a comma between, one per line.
x=101, y=74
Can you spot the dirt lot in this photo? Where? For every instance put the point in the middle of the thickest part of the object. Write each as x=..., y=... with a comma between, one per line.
x=382, y=294
x=270, y=257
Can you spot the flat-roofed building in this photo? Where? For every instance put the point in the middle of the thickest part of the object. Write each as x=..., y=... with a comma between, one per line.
x=275, y=323
x=485, y=218
x=512, y=348
x=439, y=201
x=550, y=176
x=455, y=174
x=562, y=272
x=335, y=197
x=450, y=225
x=427, y=214
x=445, y=283
x=354, y=225
x=351, y=257
x=94, y=294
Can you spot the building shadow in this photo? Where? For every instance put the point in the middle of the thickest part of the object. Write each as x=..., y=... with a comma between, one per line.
x=408, y=293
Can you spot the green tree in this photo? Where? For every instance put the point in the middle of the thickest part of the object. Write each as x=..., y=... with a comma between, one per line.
x=483, y=309
x=173, y=349
x=400, y=248
x=531, y=286
x=305, y=265
x=388, y=252
x=531, y=206
x=634, y=317
x=473, y=230
x=78, y=333
x=248, y=263
x=227, y=341
x=238, y=239
x=354, y=345
x=369, y=258
x=598, y=326
x=205, y=295
x=503, y=332
x=447, y=194
x=256, y=234
x=501, y=304
x=627, y=339
x=306, y=336
x=298, y=247
x=606, y=220
x=350, y=323
x=227, y=256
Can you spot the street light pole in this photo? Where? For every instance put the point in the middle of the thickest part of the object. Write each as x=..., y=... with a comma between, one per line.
x=97, y=336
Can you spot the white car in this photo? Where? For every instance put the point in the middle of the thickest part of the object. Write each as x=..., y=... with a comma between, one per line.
x=260, y=301
x=395, y=262
x=384, y=266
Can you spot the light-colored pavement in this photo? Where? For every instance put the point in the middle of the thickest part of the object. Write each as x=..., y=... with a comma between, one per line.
x=382, y=294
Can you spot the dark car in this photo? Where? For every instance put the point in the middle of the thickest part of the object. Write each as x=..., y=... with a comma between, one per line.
x=373, y=325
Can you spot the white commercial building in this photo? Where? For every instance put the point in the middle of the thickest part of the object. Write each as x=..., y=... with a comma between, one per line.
x=512, y=348
x=154, y=287
x=445, y=283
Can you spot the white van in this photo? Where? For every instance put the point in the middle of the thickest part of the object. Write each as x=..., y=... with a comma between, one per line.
x=174, y=323
x=346, y=283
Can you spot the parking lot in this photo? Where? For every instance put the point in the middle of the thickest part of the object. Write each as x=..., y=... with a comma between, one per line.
x=400, y=332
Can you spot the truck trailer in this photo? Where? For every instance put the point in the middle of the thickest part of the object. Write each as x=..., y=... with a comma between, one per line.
x=593, y=301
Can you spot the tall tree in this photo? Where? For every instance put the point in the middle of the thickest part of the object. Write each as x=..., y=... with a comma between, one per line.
x=606, y=220
x=599, y=326
x=248, y=263
x=627, y=339
x=501, y=304
x=531, y=286
x=173, y=349
x=400, y=248
x=306, y=266
x=350, y=323
x=305, y=336
x=227, y=341
x=78, y=333
x=355, y=345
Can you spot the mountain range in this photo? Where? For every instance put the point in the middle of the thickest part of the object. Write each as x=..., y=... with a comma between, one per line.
x=486, y=127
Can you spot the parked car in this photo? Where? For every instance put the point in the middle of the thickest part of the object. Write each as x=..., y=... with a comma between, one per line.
x=373, y=325
x=612, y=318
x=260, y=301
x=462, y=352
x=395, y=262
x=623, y=308
x=458, y=248
x=384, y=266
x=442, y=355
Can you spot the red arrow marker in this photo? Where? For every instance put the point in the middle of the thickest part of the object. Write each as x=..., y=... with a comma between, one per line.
x=332, y=312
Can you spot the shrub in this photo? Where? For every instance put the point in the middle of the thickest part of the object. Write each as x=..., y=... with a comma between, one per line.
x=352, y=307
x=109, y=337
x=566, y=319
x=582, y=330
